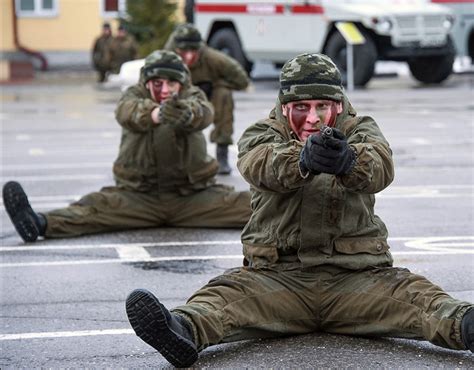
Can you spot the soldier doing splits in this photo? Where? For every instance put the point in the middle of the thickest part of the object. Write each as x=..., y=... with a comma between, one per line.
x=217, y=75
x=164, y=176
x=317, y=255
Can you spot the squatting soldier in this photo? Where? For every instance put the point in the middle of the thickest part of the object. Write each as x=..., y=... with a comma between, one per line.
x=217, y=75
x=163, y=173
x=123, y=48
x=100, y=52
x=317, y=255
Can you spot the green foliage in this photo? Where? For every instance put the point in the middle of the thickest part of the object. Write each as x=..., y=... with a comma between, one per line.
x=150, y=22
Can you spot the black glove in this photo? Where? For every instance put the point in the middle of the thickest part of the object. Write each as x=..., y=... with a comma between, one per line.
x=176, y=112
x=327, y=154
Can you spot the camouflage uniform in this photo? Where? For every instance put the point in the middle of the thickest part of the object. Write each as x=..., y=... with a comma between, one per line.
x=122, y=49
x=216, y=74
x=164, y=176
x=100, y=55
x=318, y=257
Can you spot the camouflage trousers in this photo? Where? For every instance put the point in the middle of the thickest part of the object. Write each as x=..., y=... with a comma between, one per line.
x=114, y=209
x=223, y=103
x=250, y=303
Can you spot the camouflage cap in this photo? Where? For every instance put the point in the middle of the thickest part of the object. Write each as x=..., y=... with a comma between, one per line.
x=310, y=76
x=186, y=37
x=165, y=64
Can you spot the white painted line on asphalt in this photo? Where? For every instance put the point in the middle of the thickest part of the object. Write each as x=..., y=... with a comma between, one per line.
x=54, y=166
x=117, y=260
x=420, y=141
x=392, y=191
x=198, y=258
x=432, y=194
x=442, y=243
x=64, y=334
x=23, y=137
x=54, y=177
x=132, y=253
x=87, y=151
x=135, y=252
x=51, y=198
x=412, y=241
x=39, y=247
x=35, y=152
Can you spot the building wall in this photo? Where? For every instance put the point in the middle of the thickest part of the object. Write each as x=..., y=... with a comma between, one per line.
x=75, y=28
x=6, y=24
x=65, y=39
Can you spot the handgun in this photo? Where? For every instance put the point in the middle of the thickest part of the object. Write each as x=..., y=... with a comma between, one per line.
x=326, y=134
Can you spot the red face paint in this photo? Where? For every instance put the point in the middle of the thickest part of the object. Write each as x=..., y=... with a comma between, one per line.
x=189, y=56
x=161, y=88
x=307, y=116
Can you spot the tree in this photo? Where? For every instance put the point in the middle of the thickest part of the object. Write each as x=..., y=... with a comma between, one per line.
x=150, y=22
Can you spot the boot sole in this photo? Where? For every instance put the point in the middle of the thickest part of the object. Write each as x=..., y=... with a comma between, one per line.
x=148, y=319
x=20, y=212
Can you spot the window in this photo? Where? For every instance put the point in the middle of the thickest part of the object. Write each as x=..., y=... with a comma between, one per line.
x=113, y=8
x=36, y=8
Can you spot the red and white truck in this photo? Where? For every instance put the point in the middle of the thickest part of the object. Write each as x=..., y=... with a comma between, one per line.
x=413, y=31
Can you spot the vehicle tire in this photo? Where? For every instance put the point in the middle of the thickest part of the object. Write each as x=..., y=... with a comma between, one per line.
x=365, y=56
x=433, y=69
x=226, y=40
x=189, y=11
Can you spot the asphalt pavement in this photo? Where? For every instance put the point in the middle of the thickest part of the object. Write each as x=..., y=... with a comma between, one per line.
x=63, y=300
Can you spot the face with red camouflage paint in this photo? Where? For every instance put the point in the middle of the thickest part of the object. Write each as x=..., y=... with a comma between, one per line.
x=307, y=116
x=189, y=56
x=162, y=88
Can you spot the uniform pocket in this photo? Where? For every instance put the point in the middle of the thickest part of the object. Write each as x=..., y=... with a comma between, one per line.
x=361, y=245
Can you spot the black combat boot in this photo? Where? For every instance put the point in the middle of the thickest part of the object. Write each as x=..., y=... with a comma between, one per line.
x=168, y=333
x=222, y=152
x=467, y=329
x=27, y=222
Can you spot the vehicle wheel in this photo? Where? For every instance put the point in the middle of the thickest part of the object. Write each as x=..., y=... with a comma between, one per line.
x=365, y=56
x=189, y=11
x=434, y=69
x=226, y=40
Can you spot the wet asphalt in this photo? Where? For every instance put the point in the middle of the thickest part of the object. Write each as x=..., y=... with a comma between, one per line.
x=62, y=301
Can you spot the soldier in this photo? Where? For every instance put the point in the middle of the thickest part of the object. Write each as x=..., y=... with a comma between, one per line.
x=163, y=173
x=217, y=75
x=122, y=49
x=317, y=255
x=100, y=52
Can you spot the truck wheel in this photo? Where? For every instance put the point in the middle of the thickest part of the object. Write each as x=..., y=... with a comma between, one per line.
x=365, y=56
x=226, y=40
x=434, y=69
x=189, y=11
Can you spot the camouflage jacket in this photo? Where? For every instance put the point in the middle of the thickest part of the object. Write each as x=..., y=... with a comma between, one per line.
x=219, y=69
x=100, y=52
x=163, y=157
x=321, y=219
x=122, y=49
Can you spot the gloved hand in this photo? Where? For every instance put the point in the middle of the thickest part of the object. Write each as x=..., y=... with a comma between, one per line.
x=175, y=112
x=330, y=155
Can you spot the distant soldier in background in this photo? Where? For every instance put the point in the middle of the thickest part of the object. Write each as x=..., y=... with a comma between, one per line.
x=217, y=75
x=100, y=52
x=122, y=49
